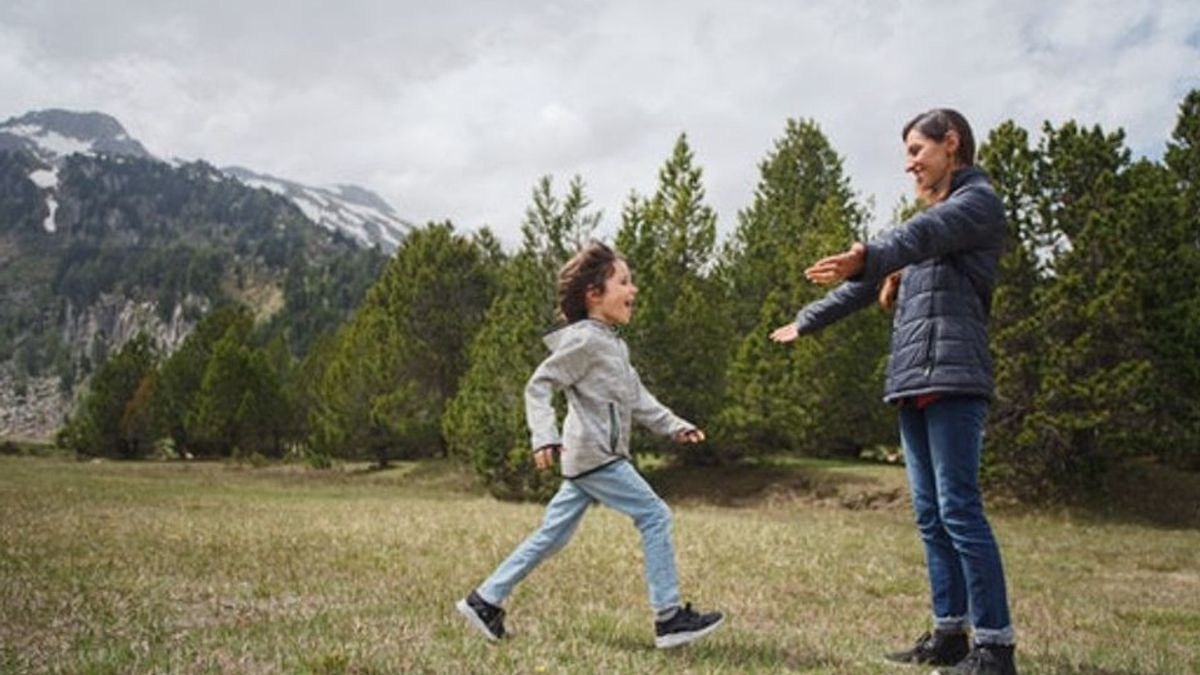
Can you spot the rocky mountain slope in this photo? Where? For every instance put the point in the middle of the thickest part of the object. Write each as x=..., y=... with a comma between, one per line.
x=99, y=240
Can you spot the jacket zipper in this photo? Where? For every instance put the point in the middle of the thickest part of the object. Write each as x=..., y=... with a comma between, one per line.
x=930, y=345
x=614, y=428
x=929, y=349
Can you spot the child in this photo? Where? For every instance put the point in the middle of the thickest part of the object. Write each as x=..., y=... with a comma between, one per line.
x=591, y=363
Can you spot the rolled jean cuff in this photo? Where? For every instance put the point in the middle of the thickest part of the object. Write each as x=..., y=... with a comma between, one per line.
x=487, y=597
x=951, y=624
x=993, y=636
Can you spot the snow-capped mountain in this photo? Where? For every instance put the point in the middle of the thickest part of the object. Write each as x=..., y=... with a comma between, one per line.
x=52, y=135
x=360, y=213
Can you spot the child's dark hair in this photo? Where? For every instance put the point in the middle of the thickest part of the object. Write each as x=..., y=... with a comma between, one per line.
x=587, y=269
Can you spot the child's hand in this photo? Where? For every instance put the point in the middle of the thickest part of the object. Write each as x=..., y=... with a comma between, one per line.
x=786, y=332
x=690, y=436
x=543, y=458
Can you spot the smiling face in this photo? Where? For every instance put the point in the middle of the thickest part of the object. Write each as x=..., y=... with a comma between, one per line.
x=613, y=304
x=931, y=163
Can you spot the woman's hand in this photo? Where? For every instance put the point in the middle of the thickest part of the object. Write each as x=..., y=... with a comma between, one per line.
x=543, y=457
x=785, y=333
x=838, y=267
x=690, y=436
x=888, y=291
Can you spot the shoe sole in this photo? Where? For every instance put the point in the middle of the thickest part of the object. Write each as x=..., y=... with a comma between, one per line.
x=912, y=665
x=473, y=619
x=677, y=639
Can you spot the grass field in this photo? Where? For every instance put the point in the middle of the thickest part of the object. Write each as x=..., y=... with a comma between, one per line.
x=155, y=567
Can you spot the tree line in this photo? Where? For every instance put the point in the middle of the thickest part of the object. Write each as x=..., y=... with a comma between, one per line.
x=1095, y=328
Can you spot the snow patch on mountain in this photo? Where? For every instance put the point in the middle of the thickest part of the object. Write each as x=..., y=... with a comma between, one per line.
x=47, y=179
x=52, y=206
x=53, y=135
x=49, y=142
x=352, y=210
x=44, y=178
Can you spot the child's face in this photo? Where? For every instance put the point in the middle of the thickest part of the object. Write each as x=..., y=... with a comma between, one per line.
x=614, y=305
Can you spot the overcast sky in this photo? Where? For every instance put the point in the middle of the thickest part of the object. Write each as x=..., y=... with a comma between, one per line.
x=453, y=109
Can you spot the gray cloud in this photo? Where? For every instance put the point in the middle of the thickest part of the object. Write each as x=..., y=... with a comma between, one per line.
x=453, y=110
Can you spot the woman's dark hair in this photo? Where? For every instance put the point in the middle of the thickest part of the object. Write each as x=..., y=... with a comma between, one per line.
x=587, y=269
x=935, y=123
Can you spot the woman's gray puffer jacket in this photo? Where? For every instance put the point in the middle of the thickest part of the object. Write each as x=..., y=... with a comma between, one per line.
x=950, y=254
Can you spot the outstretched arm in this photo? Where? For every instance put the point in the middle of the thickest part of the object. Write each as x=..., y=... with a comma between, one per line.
x=658, y=418
x=837, y=304
x=971, y=219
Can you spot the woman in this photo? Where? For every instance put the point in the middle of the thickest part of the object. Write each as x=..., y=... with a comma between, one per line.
x=940, y=376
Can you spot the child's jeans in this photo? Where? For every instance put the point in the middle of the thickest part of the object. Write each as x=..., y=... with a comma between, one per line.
x=618, y=486
x=941, y=449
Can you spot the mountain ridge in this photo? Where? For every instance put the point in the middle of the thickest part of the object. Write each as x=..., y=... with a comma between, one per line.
x=53, y=134
x=97, y=247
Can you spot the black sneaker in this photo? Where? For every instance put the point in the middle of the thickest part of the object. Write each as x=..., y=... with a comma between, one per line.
x=984, y=660
x=937, y=649
x=684, y=627
x=485, y=616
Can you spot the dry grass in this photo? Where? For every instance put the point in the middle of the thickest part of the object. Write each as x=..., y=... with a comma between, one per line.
x=112, y=567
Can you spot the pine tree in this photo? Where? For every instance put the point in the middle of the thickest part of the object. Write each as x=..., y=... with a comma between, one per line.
x=139, y=424
x=1095, y=317
x=556, y=228
x=820, y=395
x=181, y=375
x=239, y=405
x=361, y=369
x=1174, y=303
x=398, y=361
x=1094, y=388
x=283, y=423
x=97, y=426
x=1015, y=324
x=679, y=334
x=490, y=249
x=485, y=421
x=799, y=178
x=215, y=423
x=303, y=387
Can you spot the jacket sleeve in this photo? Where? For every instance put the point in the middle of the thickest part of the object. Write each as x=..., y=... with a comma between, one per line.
x=658, y=418
x=973, y=218
x=849, y=297
x=565, y=366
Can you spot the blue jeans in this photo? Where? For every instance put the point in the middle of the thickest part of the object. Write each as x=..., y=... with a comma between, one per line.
x=942, y=442
x=618, y=486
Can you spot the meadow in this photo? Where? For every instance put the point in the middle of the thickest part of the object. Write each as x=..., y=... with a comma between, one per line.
x=111, y=567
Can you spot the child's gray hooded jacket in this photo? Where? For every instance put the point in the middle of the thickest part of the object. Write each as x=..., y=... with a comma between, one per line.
x=590, y=362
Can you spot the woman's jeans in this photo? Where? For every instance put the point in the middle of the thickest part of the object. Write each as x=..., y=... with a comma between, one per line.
x=618, y=486
x=942, y=442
